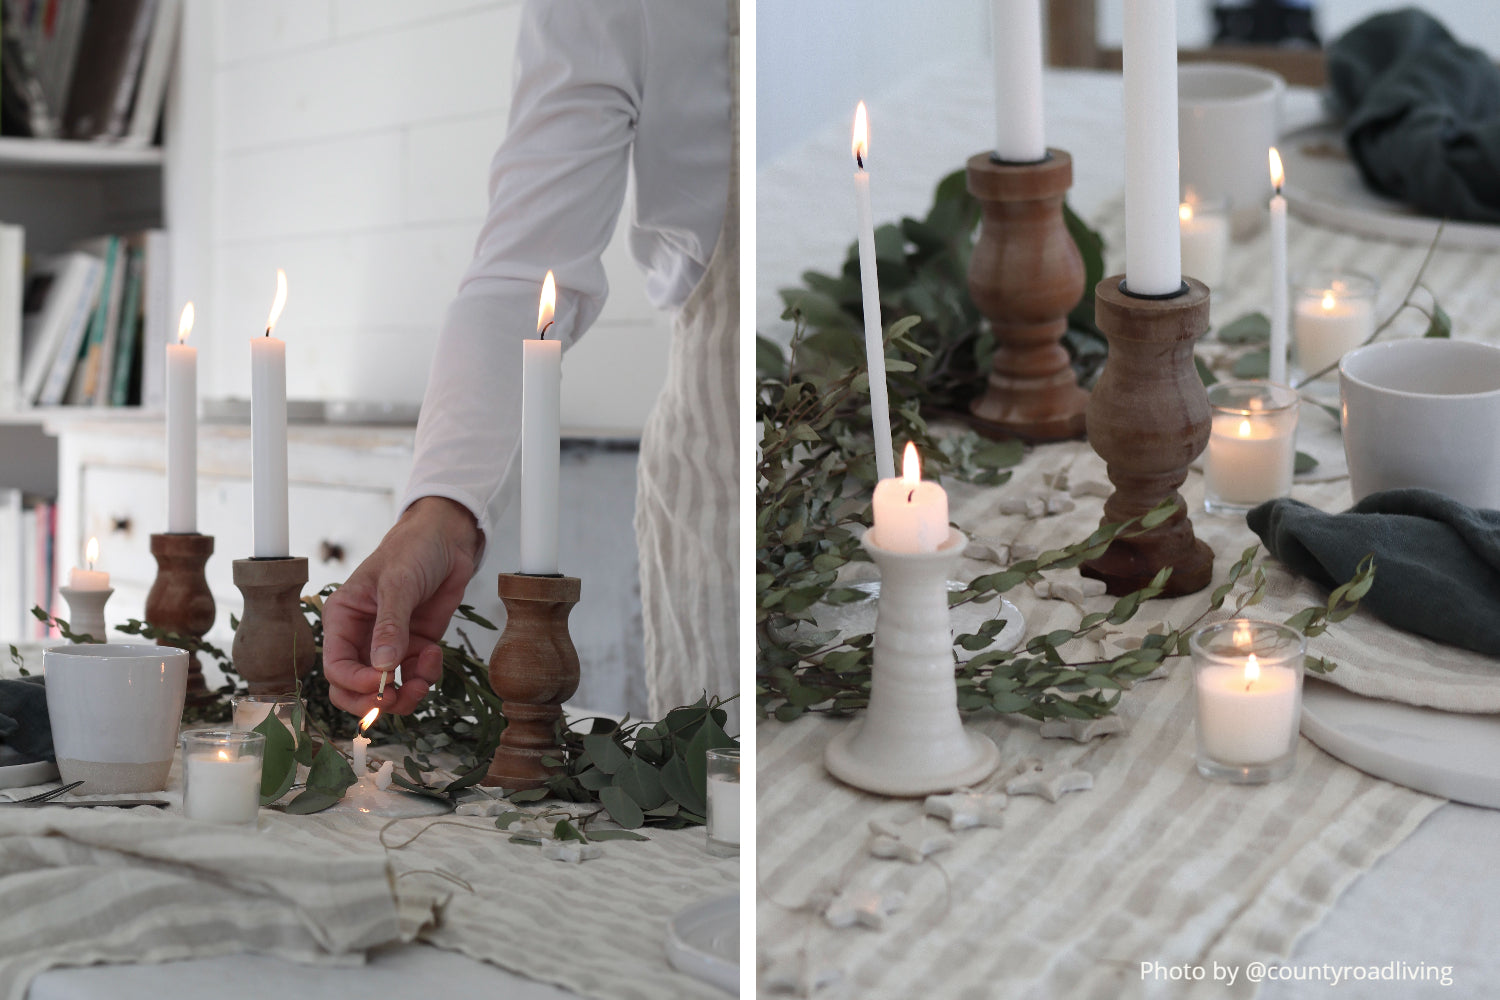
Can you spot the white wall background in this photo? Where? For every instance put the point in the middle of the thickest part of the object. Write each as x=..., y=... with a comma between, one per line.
x=348, y=141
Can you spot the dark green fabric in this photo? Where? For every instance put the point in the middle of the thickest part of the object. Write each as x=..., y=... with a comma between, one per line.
x=1437, y=562
x=24, y=725
x=1421, y=114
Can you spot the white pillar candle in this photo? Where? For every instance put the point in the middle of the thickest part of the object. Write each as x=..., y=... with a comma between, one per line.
x=880, y=407
x=221, y=789
x=361, y=744
x=1247, y=715
x=268, y=436
x=1249, y=460
x=910, y=515
x=723, y=810
x=541, y=440
x=89, y=579
x=1329, y=327
x=182, y=429
x=1153, y=251
x=1016, y=48
x=1205, y=242
x=1277, y=371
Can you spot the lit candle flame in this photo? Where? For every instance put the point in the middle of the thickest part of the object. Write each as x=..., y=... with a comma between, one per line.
x=1329, y=301
x=548, y=306
x=1277, y=174
x=861, y=135
x=1252, y=671
x=1185, y=212
x=91, y=554
x=369, y=719
x=1244, y=431
x=223, y=755
x=1241, y=635
x=280, y=302
x=911, y=465
x=185, y=324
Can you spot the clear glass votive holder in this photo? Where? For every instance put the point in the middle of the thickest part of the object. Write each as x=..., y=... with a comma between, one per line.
x=724, y=802
x=1247, y=677
x=250, y=710
x=1252, y=445
x=221, y=775
x=1204, y=226
x=1333, y=312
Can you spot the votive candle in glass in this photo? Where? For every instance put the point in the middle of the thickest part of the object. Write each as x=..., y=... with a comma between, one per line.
x=724, y=801
x=221, y=775
x=250, y=710
x=1247, y=676
x=1252, y=445
x=1204, y=225
x=1332, y=314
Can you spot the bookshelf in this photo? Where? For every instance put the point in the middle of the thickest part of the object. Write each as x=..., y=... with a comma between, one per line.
x=19, y=153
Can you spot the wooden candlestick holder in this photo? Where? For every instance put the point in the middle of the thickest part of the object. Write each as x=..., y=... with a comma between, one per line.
x=534, y=669
x=273, y=647
x=1026, y=275
x=180, y=601
x=1148, y=418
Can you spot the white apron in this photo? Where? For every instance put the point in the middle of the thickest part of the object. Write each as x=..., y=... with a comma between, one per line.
x=687, y=505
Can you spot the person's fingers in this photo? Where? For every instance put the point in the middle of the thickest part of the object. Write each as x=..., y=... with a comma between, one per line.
x=346, y=635
x=427, y=667
x=397, y=594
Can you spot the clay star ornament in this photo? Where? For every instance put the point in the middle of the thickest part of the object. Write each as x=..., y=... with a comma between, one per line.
x=964, y=808
x=1051, y=781
x=796, y=971
x=1082, y=730
x=910, y=841
x=865, y=907
x=570, y=851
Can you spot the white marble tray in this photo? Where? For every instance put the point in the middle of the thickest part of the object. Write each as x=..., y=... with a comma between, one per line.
x=1453, y=755
x=703, y=941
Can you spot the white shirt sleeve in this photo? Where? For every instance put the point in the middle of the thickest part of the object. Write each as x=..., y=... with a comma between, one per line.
x=556, y=187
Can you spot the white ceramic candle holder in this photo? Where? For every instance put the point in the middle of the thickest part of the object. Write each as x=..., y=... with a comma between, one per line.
x=86, y=611
x=911, y=740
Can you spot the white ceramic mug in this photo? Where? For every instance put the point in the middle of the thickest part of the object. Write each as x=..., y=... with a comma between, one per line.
x=1423, y=412
x=115, y=709
x=1228, y=118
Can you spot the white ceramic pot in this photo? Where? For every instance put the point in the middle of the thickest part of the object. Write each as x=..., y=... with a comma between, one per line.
x=115, y=709
x=1228, y=118
x=1423, y=412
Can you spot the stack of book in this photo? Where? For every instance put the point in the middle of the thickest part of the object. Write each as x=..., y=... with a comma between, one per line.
x=28, y=530
x=90, y=328
x=92, y=70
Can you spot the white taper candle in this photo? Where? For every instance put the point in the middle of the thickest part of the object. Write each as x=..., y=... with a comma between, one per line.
x=541, y=440
x=880, y=407
x=268, y=475
x=1016, y=49
x=182, y=429
x=1153, y=251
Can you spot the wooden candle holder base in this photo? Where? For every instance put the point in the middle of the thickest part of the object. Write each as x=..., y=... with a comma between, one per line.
x=1148, y=418
x=273, y=647
x=1026, y=275
x=534, y=669
x=180, y=600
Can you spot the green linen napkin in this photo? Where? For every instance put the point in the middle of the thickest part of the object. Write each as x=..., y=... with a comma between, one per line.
x=1421, y=114
x=24, y=725
x=1437, y=562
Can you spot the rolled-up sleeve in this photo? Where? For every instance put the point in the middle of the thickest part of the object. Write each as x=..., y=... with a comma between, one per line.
x=557, y=184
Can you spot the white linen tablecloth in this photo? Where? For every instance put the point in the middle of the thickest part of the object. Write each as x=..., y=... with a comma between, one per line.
x=1405, y=908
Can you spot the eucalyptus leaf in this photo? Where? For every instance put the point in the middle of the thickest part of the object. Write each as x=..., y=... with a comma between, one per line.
x=1304, y=463
x=279, y=766
x=622, y=808
x=602, y=835
x=1252, y=328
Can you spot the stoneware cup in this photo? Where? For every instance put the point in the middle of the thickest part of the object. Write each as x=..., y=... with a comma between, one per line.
x=116, y=709
x=1423, y=412
x=1228, y=118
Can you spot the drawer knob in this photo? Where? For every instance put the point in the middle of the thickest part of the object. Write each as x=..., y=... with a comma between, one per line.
x=120, y=525
x=330, y=552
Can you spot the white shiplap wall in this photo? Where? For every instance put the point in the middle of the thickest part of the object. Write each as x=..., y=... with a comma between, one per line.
x=348, y=141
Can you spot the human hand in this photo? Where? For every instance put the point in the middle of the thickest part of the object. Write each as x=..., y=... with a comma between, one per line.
x=395, y=607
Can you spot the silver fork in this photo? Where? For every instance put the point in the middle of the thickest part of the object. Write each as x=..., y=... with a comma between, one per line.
x=41, y=797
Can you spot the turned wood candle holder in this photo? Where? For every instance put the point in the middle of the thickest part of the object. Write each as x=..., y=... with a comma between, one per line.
x=273, y=647
x=180, y=601
x=1148, y=418
x=1025, y=276
x=534, y=669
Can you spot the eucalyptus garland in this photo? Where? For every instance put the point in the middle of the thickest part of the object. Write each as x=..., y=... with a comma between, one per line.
x=638, y=773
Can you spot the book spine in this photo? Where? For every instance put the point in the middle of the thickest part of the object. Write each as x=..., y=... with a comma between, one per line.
x=76, y=325
x=130, y=331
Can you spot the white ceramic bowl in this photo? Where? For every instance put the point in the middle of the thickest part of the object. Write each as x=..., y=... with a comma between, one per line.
x=115, y=709
x=1423, y=412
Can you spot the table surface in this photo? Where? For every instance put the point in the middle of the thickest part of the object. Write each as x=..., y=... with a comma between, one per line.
x=1434, y=897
